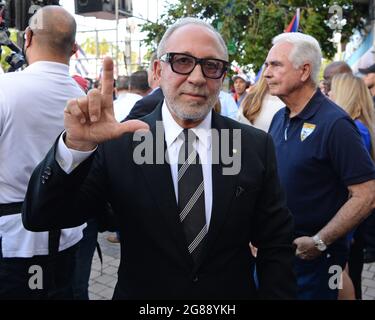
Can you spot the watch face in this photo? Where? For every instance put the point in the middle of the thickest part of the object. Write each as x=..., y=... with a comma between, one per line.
x=322, y=246
x=319, y=244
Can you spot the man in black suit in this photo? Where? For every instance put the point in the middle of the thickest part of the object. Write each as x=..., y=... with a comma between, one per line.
x=177, y=242
x=148, y=103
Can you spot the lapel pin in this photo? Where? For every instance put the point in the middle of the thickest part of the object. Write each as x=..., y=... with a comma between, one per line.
x=239, y=191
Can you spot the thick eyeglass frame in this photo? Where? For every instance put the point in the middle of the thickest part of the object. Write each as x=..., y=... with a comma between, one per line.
x=168, y=57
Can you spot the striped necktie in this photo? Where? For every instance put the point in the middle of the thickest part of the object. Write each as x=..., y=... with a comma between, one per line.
x=191, y=195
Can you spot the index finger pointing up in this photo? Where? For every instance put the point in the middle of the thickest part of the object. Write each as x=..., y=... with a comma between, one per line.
x=107, y=76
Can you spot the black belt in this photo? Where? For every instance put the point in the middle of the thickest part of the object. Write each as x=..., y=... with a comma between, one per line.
x=8, y=209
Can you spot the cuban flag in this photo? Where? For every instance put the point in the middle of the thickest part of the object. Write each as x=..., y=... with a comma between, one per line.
x=80, y=55
x=293, y=25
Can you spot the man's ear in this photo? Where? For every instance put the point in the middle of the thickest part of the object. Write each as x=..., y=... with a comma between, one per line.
x=157, y=70
x=28, y=37
x=306, y=71
x=74, y=48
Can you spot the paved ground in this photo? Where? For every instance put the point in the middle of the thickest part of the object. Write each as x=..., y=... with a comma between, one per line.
x=103, y=278
x=368, y=281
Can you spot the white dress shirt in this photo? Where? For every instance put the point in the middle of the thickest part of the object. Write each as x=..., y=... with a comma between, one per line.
x=69, y=159
x=31, y=117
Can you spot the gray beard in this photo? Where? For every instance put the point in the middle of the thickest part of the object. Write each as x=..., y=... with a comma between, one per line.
x=189, y=116
x=194, y=116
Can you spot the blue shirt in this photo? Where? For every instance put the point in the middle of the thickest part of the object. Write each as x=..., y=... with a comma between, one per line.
x=228, y=105
x=365, y=134
x=320, y=153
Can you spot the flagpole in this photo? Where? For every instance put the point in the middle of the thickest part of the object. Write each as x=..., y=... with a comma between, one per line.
x=117, y=48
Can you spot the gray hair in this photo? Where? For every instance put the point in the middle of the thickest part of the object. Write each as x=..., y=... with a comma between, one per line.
x=186, y=21
x=305, y=48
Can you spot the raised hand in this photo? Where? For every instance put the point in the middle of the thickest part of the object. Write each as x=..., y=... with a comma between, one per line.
x=90, y=120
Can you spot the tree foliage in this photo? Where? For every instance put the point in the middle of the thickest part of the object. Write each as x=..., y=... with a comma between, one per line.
x=90, y=47
x=249, y=26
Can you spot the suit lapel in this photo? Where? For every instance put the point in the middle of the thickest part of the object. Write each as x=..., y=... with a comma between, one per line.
x=160, y=183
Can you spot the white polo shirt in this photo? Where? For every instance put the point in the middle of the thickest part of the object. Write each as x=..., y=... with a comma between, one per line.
x=31, y=117
x=124, y=103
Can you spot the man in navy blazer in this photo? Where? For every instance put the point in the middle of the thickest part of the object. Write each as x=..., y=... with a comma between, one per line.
x=148, y=103
x=98, y=160
x=145, y=105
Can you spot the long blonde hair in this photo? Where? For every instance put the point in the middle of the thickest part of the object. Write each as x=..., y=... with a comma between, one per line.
x=252, y=103
x=352, y=94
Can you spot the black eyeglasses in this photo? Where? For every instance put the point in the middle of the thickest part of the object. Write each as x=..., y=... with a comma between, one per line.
x=182, y=63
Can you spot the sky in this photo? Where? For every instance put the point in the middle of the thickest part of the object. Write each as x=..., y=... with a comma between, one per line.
x=143, y=9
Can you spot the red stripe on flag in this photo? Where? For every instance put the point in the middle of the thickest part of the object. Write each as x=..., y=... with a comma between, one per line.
x=290, y=26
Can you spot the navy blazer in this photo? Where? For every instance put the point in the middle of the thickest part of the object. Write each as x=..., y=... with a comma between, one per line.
x=146, y=105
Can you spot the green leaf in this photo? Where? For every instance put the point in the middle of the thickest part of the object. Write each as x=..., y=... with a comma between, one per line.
x=249, y=26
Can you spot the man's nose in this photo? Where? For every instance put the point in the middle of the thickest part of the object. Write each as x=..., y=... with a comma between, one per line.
x=197, y=76
x=267, y=73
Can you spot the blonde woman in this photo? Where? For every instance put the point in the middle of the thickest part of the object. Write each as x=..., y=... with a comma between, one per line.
x=352, y=94
x=259, y=107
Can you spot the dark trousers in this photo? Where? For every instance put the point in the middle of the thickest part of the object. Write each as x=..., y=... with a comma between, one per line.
x=17, y=274
x=317, y=278
x=84, y=257
x=356, y=260
x=369, y=238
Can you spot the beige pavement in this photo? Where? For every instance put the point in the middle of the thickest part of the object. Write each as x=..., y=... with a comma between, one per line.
x=103, y=278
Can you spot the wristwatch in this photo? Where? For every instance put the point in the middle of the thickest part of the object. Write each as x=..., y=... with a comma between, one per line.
x=319, y=243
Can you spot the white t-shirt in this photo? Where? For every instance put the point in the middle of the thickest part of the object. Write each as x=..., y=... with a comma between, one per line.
x=32, y=106
x=270, y=105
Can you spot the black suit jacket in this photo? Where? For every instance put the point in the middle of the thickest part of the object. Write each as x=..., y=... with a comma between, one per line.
x=146, y=105
x=155, y=262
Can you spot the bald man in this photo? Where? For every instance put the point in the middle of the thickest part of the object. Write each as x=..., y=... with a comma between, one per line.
x=333, y=68
x=35, y=265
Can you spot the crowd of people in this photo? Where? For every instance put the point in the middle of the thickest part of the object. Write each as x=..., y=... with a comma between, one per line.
x=297, y=207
